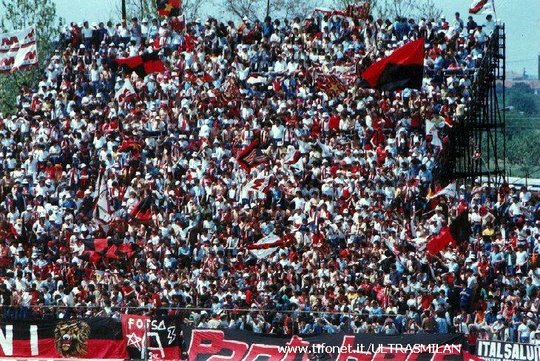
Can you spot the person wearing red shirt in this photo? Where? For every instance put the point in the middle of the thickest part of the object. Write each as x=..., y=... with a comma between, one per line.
x=333, y=123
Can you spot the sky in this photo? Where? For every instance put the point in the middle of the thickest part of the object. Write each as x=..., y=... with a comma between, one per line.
x=521, y=17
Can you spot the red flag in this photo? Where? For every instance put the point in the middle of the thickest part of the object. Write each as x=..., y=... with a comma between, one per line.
x=93, y=256
x=331, y=85
x=251, y=156
x=100, y=244
x=135, y=330
x=129, y=145
x=477, y=6
x=439, y=242
x=404, y=68
x=112, y=252
x=126, y=249
x=168, y=7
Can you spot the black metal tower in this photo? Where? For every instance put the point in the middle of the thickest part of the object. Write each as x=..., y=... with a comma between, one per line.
x=478, y=143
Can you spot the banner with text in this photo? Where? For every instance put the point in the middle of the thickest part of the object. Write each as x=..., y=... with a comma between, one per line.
x=507, y=351
x=221, y=345
x=18, y=50
x=96, y=338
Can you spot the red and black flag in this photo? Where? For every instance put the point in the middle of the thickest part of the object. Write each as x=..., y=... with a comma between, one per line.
x=251, y=156
x=331, y=85
x=404, y=68
x=94, y=249
x=98, y=245
x=168, y=7
x=143, y=210
x=98, y=248
x=96, y=338
x=142, y=64
x=479, y=5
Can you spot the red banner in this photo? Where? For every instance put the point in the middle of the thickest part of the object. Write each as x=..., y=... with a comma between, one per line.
x=135, y=330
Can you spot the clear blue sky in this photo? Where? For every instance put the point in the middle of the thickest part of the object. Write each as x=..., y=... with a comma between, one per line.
x=522, y=18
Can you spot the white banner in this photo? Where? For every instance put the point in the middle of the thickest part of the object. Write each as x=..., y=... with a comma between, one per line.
x=18, y=50
x=507, y=351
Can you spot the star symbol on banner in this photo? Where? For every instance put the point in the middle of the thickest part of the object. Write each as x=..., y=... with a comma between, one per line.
x=334, y=89
x=134, y=340
x=168, y=7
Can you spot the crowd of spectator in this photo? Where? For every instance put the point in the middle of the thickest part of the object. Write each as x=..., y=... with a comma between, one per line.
x=349, y=184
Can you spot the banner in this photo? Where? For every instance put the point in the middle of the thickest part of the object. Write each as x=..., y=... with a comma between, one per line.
x=162, y=337
x=507, y=351
x=18, y=50
x=220, y=345
x=95, y=338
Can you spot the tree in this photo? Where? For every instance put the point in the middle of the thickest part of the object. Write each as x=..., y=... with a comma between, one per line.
x=20, y=14
x=523, y=99
x=392, y=9
x=257, y=9
x=519, y=149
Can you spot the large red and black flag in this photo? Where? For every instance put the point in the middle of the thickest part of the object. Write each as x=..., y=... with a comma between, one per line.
x=251, y=156
x=142, y=64
x=168, y=7
x=404, y=68
x=96, y=249
x=143, y=210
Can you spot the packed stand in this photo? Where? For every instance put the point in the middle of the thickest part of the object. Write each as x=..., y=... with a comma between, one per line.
x=347, y=184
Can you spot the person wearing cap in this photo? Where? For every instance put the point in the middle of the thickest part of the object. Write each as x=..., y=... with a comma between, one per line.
x=144, y=30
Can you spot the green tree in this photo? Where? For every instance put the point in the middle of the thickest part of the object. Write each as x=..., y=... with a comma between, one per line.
x=20, y=14
x=520, y=148
x=523, y=99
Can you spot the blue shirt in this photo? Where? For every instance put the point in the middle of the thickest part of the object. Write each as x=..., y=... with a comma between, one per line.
x=442, y=325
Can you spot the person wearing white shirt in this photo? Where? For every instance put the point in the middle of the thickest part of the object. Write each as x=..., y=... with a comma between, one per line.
x=490, y=24
x=524, y=195
x=522, y=259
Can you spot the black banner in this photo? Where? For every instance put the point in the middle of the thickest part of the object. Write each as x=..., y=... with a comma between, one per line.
x=221, y=345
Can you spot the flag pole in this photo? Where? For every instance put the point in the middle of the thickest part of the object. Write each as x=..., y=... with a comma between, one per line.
x=124, y=16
